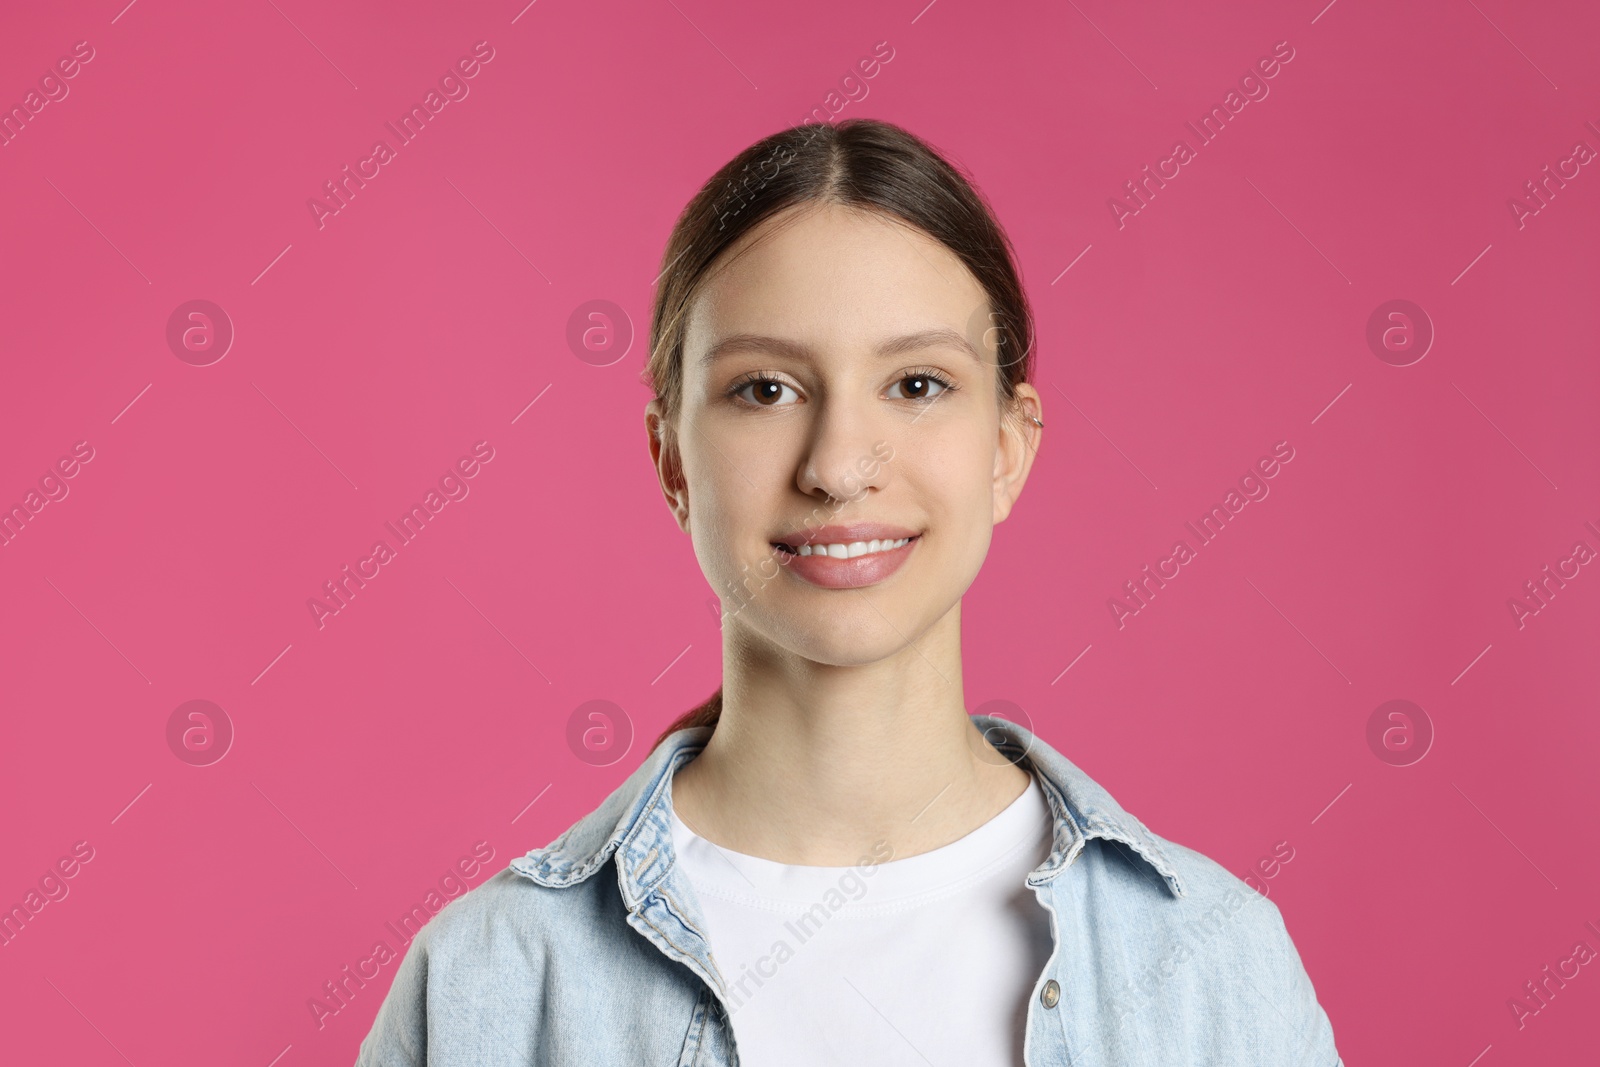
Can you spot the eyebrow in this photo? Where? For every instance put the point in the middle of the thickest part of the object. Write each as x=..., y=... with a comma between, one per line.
x=911, y=342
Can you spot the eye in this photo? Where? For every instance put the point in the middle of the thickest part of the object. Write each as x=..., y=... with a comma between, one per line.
x=768, y=391
x=923, y=385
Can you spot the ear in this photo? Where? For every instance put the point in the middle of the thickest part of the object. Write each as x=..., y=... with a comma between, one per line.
x=668, y=464
x=1018, y=445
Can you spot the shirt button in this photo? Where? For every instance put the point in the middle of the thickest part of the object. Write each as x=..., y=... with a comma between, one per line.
x=1051, y=994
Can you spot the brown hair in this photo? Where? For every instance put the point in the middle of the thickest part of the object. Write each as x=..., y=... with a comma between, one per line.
x=861, y=163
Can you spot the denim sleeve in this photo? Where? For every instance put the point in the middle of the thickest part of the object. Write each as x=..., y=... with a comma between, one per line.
x=1296, y=1000
x=399, y=1034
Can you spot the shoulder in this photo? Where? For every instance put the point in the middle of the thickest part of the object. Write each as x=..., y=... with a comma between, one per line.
x=1170, y=893
x=510, y=916
x=1214, y=895
x=1222, y=951
x=481, y=960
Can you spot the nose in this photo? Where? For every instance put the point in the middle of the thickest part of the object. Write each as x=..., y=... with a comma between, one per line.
x=842, y=458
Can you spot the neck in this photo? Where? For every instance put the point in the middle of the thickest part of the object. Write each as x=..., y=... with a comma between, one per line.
x=821, y=765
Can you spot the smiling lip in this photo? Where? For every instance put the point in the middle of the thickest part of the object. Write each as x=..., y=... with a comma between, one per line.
x=830, y=572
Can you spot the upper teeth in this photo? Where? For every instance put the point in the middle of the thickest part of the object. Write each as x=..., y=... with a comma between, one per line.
x=854, y=548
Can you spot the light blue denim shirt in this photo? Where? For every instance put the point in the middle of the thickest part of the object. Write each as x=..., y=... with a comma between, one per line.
x=591, y=951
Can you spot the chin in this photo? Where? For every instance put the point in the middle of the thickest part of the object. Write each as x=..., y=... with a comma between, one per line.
x=846, y=634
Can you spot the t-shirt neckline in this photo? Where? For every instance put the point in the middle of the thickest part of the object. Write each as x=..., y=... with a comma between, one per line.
x=759, y=882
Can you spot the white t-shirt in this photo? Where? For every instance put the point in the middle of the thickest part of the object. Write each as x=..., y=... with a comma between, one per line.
x=928, y=958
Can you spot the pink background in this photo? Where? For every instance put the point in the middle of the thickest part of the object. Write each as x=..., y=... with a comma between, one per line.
x=431, y=712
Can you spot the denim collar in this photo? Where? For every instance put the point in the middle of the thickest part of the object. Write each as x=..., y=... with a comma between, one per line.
x=634, y=823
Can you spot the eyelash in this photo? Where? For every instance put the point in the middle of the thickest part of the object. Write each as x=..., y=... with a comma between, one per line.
x=757, y=377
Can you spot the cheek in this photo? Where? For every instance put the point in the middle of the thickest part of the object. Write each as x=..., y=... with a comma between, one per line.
x=729, y=517
x=964, y=487
x=950, y=487
x=951, y=475
x=710, y=523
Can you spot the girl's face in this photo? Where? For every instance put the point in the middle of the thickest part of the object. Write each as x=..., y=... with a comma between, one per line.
x=840, y=387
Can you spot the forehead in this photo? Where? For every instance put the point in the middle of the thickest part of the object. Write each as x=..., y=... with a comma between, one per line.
x=832, y=275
